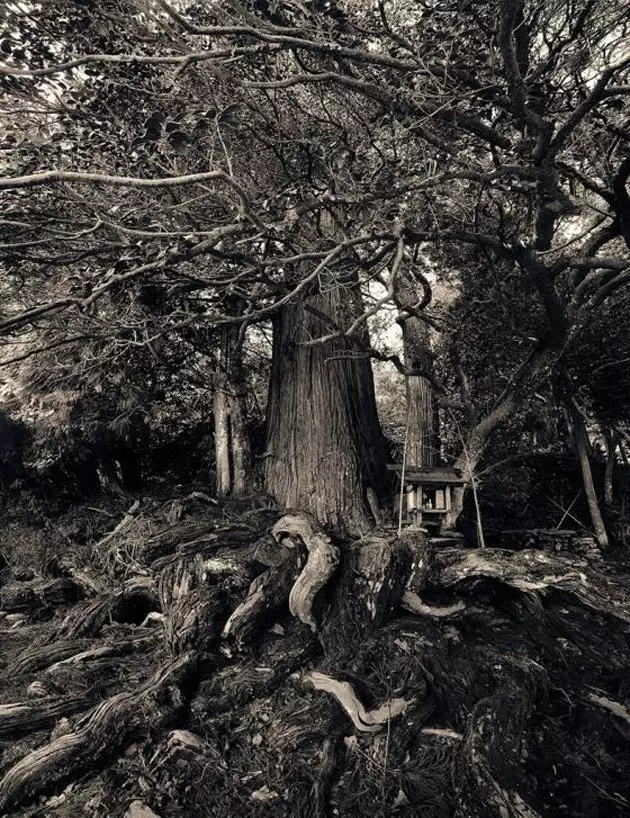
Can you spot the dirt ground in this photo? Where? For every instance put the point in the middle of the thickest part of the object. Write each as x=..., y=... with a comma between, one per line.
x=124, y=693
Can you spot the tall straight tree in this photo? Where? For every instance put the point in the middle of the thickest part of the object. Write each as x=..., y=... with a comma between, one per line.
x=422, y=436
x=325, y=451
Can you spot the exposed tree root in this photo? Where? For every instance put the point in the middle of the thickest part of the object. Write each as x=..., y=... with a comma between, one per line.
x=412, y=602
x=95, y=654
x=367, y=721
x=267, y=594
x=492, y=753
x=371, y=582
x=321, y=563
x=534, y=571
x=97, y=737
x=41, y=656
x=131, y=604
x=21, y=598
x=188, y=539
x=21, y=718
x=415, y=701
x=195, y=611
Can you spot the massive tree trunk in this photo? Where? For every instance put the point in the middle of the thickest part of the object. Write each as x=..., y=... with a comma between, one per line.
x=324, y=443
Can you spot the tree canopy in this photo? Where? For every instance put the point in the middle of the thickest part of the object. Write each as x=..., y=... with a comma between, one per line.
x=172, y=169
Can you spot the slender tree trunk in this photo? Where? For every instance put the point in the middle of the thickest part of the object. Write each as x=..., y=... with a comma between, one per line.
x=324, y=443
x=611, y=451
x=537, y=368
x=241, y=450
x=422, y=421
x=422, y=443
x=232, y=449
x=222, y=438
x=583, y=451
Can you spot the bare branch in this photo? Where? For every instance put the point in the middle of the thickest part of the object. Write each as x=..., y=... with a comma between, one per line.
x=586, y=106
x=278, y=36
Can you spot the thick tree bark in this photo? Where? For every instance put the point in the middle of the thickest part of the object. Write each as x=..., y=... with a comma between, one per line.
x=422, y=446
x=241, y=450
x=324, y=443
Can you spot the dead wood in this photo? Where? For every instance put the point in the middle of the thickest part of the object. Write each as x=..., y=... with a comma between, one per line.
x=97, y=737
x=420, y=554
x=194, y=610
x=370, y=584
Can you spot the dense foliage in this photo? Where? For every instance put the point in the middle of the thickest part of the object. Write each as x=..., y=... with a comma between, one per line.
x=175, y=169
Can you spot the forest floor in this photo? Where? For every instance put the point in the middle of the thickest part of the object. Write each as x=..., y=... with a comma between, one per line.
x=436, y=681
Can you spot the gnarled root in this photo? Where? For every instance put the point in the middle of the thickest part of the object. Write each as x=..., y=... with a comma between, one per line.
x=491, y=754
x=321, y=564
x=98, y=736
x=266, y=595
x=367, y=721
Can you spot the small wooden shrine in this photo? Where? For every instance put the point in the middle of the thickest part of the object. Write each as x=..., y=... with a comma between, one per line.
x=427, y=494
